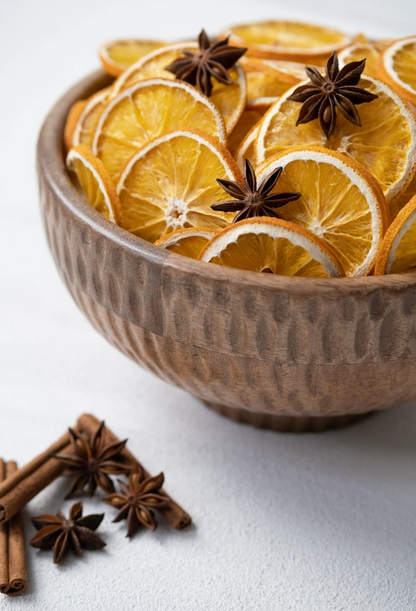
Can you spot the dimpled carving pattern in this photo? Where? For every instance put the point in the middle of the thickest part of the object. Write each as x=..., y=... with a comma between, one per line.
x=259, y=388
x=255, y=348
x=296, y=328
x=115, y=278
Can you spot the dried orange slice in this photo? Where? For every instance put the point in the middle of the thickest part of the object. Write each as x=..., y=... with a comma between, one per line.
x=361, y=39
x=398, y=67
x=284, y=72
x=398, y=250
x=187, y=242
x=229, y=99
x=263, y=90
x=382, y=43
x=265, y=82
x=71, y=122
x=357, y=52
x=340, y=202
x=171, y=183
x=274, y=246
x=403, y=199
x=95, y=182
x=117, y=55
x=289, y=40
x=246, y=150
x=147, y=110
x=152, y=65
x=292, y=72
x=385, y=144
x=87, y=120
x=249, y=118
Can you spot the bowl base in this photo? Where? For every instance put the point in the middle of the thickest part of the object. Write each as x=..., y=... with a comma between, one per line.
x=286, y=424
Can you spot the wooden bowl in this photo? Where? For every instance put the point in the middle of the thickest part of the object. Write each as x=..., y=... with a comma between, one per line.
x=277, y=352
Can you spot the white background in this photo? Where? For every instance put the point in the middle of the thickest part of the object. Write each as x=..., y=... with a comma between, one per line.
x=281, y=522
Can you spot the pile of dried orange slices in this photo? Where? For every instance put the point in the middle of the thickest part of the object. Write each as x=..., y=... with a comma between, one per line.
x=274, y=148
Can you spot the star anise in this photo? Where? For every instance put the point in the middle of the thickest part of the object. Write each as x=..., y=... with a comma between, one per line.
x=93, y=459
x=337, y=90
x=213, y=60
x=59, y=534
x=253, y=201
x=136, y=500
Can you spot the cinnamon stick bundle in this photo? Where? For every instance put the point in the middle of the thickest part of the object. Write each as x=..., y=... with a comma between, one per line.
x=25, y=483
x=174, y=515
x=13, y=571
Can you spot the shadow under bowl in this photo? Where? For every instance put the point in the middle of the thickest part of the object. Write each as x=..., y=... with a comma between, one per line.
x=277, y=352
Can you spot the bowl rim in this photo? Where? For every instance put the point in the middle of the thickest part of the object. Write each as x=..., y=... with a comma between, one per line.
x=51, y=162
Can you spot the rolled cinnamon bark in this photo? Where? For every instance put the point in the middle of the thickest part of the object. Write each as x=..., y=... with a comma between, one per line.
x=4, y=541
x=31, y=479
x=173, y=513
x=13, y=569
x=33, y=465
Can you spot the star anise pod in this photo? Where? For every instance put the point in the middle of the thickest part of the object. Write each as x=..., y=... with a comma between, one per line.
x=252, y=200
x=136, y=500
x=59, y=534
x=91, y=462
x=337, y=90
x=212, y=61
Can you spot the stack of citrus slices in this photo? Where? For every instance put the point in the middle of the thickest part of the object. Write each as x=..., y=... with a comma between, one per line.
x=319, y=190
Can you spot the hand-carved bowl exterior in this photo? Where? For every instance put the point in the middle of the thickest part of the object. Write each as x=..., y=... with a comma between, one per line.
x=277, y=352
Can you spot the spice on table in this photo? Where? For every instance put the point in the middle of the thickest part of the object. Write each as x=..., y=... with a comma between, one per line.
x=337, y=90
x=173, y=513
x=31, y=479
x=27, y=482
x=213, y=61
x=137, y=500
x=60, y=534
x=13, y=569
x=91, y=461
x=252, y=200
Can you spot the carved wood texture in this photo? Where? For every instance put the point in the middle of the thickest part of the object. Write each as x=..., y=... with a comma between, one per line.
x=282, y=353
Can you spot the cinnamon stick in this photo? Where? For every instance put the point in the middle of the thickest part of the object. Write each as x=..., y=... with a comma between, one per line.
x=27, y=482
x=4, y=540
x=33, y=465
x=13, y=571
x=174, y=515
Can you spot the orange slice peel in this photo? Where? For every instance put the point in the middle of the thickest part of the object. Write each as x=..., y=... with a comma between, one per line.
x=397, y=253
x=274, y=246
x=288, y=40
x=95, y=182
x=397, y=66
x=187, y=242
x=229, y=99
x=340, y=202
x=84, y=128
x=147, y=110
x=385, y=144
x=116, y=56
x=171, y=183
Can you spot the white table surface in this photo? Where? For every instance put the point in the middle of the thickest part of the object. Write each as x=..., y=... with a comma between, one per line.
x=281, y=522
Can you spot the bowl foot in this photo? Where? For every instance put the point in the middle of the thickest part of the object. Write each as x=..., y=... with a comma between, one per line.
x=286, y=424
